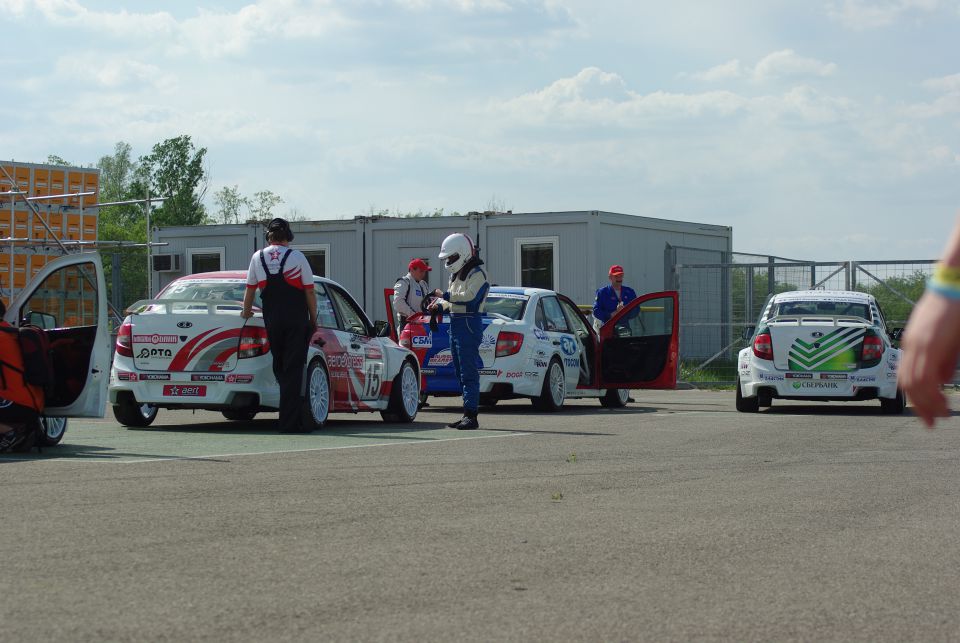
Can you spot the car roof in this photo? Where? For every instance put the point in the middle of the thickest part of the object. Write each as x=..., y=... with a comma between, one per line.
x=519, y=290
x=235, y=274
x=846, y=296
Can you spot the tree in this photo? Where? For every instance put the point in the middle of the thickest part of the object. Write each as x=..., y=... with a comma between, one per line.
x=174, y=169
x=53, y=159
x=262, y=204
x=229, y=201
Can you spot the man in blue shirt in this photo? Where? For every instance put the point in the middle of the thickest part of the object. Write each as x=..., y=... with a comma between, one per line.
x=611, y=298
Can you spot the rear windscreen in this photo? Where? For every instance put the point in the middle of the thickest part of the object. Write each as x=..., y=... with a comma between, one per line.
x=511, y=306
x=834, y=308
x=208, y=291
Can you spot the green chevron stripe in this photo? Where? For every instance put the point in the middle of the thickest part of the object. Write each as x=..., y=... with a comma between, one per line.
x=848, y=338
x=826, y=338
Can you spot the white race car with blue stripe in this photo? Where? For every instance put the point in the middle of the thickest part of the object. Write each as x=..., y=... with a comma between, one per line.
x=538, y=344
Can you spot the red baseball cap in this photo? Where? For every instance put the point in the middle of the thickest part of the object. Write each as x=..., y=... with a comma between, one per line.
x=419, y=264
x=616, y=270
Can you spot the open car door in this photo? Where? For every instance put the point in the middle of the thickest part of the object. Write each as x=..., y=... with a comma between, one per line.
x=639, y=344
x=68, y=299
x=391, y=316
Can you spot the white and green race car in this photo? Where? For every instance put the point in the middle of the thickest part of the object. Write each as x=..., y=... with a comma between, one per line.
x=820, y=345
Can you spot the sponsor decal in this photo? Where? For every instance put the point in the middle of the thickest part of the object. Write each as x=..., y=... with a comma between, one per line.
x=443, y=358
x=821, y=385
x=433, y=371
x=863, y=378
x=835, y=351
x=539, y=363
x=567, y=345
x=154, y=352
x=124, y=376
x=833, y=376
x=771, y=378
x=239, y=379
x=489, y=371
x=744, y=366
x=184, y=390
x=154, y=377
x=531, y=375
x=206, y=377
x=374, y=353
x=346, y=361
x=512, y=375
x=422, y=341
x=184, y=324
x=539, y=334
x=891, y=376
x=572, y=362
x=155, y=339
x=799, y=376
x=488, y=341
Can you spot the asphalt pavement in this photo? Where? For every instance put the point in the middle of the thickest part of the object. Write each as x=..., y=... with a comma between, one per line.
x=674, y=519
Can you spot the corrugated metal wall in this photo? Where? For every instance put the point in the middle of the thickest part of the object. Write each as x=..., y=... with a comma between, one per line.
x=368, y=254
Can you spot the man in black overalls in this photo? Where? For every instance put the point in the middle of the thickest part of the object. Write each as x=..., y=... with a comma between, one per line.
x=289, y=314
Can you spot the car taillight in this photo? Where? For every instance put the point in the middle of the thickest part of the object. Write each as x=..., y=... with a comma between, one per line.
x=872, y=351
x=508, y=343
x=763, y=346
x=253, y=342
x=125, y=340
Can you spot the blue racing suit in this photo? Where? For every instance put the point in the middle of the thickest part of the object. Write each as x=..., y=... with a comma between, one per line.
x=467, y=291
x=606, y=302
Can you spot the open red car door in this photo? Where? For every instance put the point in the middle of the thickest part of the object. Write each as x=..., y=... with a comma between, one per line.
x=391, y=317
x=639, y=344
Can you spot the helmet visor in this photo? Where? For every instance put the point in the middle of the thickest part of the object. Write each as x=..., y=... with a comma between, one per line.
x=452, y=259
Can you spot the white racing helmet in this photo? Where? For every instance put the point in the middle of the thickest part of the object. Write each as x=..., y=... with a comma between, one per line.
x=455, y=251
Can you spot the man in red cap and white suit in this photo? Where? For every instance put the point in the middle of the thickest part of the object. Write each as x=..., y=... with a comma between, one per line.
x=409, y=291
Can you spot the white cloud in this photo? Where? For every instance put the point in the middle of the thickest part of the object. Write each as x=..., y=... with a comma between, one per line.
x=112, y=73
x=774, y=66
x=871, y=14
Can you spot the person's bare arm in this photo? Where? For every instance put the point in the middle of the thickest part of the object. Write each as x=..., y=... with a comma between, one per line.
x=931, y=345
x=247, y=311
x=312, y=306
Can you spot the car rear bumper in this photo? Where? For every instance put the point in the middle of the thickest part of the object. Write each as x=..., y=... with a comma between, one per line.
x=857, y=385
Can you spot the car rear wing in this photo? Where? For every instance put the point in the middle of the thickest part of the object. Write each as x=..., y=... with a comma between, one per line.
x=192, y=305
x=819, y=320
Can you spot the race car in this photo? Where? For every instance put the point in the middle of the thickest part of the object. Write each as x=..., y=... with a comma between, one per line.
x=189, y=348
x=538, y=344
x=820, y=345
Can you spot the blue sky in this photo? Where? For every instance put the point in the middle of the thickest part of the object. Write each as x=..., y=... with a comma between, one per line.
x=817, y=129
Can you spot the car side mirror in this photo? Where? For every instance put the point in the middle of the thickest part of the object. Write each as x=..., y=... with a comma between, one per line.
x=41, y=319
x=747, y=332
x=381, y=328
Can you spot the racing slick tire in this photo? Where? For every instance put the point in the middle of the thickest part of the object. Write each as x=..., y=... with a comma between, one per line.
x=894, y=406
x=239, y=415
x=615, y=398
x=488, y=401
x=129, y=413
x=746, y=404
x=316, y=402
x=554, y=391
x=53, y=430
x=404, y=396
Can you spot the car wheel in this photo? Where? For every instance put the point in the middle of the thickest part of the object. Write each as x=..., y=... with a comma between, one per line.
x=746, y=404
x=554, y=390
x=615, y=398
x=488, y=401
x=404, y=396
x=316, y=405
x=53, y=430
x=239, y=415
x=894, y=406
x=130, y=413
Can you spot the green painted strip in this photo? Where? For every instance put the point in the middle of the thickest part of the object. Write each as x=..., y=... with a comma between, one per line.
x=854, y=336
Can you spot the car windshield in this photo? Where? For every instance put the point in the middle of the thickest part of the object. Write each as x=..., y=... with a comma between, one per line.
x=207, y=291
x=508, y=305
x=835, y=308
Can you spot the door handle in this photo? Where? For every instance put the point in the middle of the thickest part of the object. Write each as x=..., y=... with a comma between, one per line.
x=556, y=343
x=319, y=342
x=354, y=345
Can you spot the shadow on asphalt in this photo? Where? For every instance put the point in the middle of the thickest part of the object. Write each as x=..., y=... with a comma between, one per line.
x=838, y=409
x=334, y=427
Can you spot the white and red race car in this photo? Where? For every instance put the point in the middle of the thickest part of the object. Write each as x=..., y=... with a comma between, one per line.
x=188, y=348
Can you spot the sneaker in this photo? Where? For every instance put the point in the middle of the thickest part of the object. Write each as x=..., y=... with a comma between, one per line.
x=456, y=423
x=467, y=424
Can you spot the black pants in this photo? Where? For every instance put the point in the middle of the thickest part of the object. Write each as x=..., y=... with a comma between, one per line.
x=288, y=345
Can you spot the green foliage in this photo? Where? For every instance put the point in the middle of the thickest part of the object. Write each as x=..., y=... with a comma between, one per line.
x=761, y=290
x=174, y=169
x=262, y=205
x=229, y=202
x=895, y=308
x=53, y=159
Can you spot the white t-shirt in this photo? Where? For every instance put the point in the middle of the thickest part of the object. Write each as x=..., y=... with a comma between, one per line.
x=296, y=271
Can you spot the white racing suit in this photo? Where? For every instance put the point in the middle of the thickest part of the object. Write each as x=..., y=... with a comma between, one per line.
x=467, y=292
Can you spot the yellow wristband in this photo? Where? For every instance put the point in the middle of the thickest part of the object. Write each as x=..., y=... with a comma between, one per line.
x=947, y=275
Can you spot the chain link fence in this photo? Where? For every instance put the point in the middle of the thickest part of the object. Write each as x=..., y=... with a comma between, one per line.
x=722, y=295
